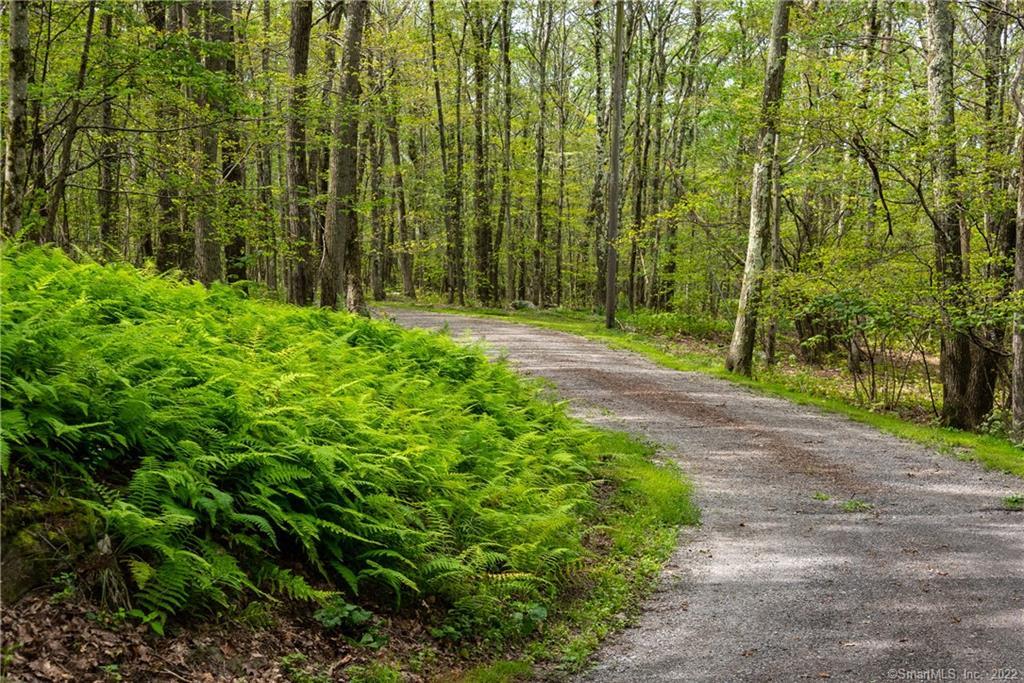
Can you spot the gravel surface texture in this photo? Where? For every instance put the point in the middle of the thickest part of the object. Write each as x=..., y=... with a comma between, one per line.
x=909, y=570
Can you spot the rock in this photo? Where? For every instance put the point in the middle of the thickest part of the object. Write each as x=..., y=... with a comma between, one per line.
x=40, y=539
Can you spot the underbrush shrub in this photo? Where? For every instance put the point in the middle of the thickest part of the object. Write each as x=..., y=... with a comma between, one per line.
x=880, y=317
x=233, y=446
x=676, y=324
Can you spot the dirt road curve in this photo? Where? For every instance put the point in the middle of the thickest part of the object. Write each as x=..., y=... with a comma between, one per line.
x=778, y=585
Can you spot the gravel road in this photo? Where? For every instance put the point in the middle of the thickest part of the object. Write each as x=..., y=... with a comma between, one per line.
x=779, y=584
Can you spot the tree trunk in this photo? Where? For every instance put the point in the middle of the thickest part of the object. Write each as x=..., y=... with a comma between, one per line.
x=611, y=288
x=207, y=242
x=741, y=350
x=481, y=186
x=597, y=195
x=355, y=302
x=269, y=236
x=505, y=211
x=70, y=131
x=341, y=233
x=300, y=285
x=544, y=15
x=986, y=358
x=169, y=249
x=405, y=260
x=106, y=196
x=378, y=253
x=232, y=164
x=319, y=153
x=955, y=353
x=16, y=159
x=1017, y=373
x=449, y=205
x=563, y=96
x=458, y=246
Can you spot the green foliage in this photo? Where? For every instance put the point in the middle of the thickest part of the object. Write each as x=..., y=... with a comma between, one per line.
x=498, y=672
x=338, y=613
x=373, y=673
x=226, y=441
x=854, y=505
x=295, y=667
x=1014, y=503
x=672, y=324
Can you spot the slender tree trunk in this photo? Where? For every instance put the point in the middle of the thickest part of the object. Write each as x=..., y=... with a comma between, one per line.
x=986, y=358
x=319, y=153
x=563, y=96
x=16, y=159
x=458, y=246
x=615, y=166
x=683, y=141
x=449, y=205
x=776, y=248
x=106, y=195
x=300, y=286
x=481, y=187
x=341, y=235
x=505, y=211
x=1017, y=372
x=232, y=164
x=597, y=195
x=955, y=353
x=741, y=350
x=169, y=253
x=207, y=242
x=405, y=260
x=269, y=235
x=378, y=254
x=70, y=131
x=544, y=16
x=355, y=302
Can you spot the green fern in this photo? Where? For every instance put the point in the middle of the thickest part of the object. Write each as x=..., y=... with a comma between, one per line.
x=234, y=446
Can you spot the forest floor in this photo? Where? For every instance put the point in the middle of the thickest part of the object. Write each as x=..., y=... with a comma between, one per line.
x=828, y=549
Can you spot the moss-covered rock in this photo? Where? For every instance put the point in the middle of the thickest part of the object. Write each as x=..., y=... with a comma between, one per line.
x=40, y=539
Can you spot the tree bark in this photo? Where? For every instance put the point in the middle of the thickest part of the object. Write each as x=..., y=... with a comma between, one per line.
x=207, y=243
x=741, y=350
x=545, y=12
x=378, y=253
x=449, y=210
x=232, y=164
x=998, y=219
x=16, y=159
x=481, y=186
x=458, y=245
x=405, y=260
x=597, y=195
x=1017, y=371
x=611, y=288
x=341, y=233
x=1017, y=374
x=505, y=210
x=355, y=301
x=70, y=131
x=955, y=350
x=169, y=248
x=106, y=196
x=270, y=234
x=300, y=285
